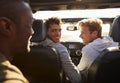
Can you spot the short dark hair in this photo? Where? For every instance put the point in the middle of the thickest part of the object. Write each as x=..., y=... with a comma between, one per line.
x=9, y=10
x=52, y=20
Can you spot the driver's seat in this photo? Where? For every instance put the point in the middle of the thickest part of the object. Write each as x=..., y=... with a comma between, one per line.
x=106, y=67
x=42, y=65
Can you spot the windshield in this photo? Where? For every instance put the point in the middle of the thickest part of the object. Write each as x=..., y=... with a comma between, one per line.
x=73, y=35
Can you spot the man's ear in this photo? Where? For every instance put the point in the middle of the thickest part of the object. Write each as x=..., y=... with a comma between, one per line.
x=95, y=33
x=6, y=26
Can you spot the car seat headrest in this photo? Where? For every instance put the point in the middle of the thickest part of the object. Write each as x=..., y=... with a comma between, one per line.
x=39, y=31
x=115, y=29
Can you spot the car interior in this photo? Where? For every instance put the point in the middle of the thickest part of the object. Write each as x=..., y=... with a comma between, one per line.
x=43, y=63
x=73, y=4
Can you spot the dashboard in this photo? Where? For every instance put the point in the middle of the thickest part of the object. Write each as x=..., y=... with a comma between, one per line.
x=74, y=49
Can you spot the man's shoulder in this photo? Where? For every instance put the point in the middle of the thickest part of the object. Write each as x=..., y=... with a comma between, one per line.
x=92, y=44
x=59, y=45
x=89, y=48
x=86, y=48
x=11, y=72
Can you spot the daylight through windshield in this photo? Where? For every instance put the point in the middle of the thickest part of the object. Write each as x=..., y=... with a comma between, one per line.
x=73, y=35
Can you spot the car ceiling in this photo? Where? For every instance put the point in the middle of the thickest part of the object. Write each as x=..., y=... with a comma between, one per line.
x=73, y=4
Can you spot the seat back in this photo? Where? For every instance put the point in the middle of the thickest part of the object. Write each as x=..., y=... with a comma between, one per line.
x=115, y=30
x=39, y=31
x=42, y=65
x=106, y=67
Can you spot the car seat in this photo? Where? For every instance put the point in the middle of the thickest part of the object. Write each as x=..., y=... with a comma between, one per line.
x=106, y=67
x=42, y=64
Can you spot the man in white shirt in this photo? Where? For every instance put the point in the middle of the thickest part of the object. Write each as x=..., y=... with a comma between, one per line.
x=91, y=30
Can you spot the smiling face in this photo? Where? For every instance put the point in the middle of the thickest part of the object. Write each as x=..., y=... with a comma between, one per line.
x=90, y=29
x=54, y=32
x=87, y=36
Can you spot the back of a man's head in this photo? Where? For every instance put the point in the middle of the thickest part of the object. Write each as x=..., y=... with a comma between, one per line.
x=11, y=8
x=15, y=22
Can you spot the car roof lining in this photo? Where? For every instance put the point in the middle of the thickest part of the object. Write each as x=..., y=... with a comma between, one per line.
x=73, y=4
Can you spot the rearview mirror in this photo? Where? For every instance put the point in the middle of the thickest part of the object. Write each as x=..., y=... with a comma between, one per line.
x=72, y=28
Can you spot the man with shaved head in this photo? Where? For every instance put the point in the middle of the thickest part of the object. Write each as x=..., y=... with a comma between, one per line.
x=15, y=31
